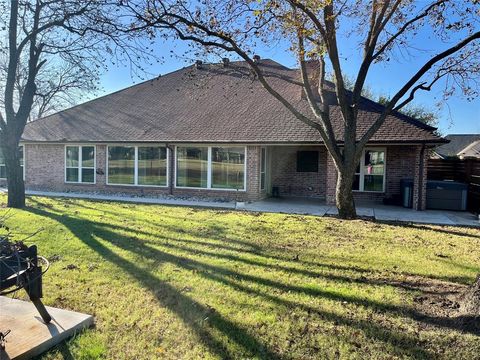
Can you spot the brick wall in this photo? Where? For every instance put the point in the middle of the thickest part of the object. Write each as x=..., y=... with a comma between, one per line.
x=331, y=181
x=45, y=171
x=401, y=162
x=292, y=183
x=420, y=179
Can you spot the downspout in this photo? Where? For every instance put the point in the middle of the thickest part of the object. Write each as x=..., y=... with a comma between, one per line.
x=170, y=167
x=421, y=179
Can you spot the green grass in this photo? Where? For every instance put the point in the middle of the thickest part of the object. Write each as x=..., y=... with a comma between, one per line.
x=181, y=283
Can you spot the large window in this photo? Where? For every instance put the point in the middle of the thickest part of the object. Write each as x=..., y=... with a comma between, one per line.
x=80, y=164
x=370, y=174
x=3, y=167
x=211, y=167
x=121, y=165
x=228, y=169
x=137, y=165
x=192, y=167
x=152, y=166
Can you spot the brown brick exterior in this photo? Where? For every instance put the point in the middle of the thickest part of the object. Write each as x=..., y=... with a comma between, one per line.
x=420, y=179
x=45, y=171
x=402, y=162
x=331, y=181
x=284, y=173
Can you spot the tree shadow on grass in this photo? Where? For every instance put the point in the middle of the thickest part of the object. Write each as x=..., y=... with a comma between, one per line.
x=191, y=312
x=443, y=229
x=221, y=239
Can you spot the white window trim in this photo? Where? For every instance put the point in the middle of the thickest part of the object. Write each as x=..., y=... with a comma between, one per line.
x=24, y=163
x=209, y=168
x=80, y=167
x=362, y=171
x=135, y=174
x=263, y=168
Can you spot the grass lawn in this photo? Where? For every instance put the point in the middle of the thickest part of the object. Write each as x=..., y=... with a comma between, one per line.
x=182, y=283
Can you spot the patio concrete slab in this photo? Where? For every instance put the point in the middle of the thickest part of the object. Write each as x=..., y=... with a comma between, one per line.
x=463, y=218
x=408, y=215
x=361, y=211
x=372, y=210
x=29, y=335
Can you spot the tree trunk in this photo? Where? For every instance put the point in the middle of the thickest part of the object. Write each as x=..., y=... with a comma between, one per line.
x=471, y=299
x=15, y=184
x=344, y=195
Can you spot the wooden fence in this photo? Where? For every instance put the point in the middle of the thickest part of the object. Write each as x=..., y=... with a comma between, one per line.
x=467, y=171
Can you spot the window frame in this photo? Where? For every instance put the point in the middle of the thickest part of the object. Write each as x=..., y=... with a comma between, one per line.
x=23, y=166
x=135, y=169
x=362, y=171
x=263, y=168
x=80, y=167
x=209, y=167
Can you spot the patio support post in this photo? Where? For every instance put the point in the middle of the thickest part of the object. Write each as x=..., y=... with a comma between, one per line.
x=331, y=181
x=420, y=179
x=253, y=173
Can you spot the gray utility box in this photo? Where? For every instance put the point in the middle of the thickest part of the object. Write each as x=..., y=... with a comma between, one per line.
x=446, y=195
x=406, y=192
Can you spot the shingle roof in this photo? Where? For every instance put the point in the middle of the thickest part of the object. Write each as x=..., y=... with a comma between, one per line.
x=458, y=142
x=471, y=151
x=210, y=104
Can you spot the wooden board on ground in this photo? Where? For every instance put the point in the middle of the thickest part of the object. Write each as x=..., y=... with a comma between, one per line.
x=29, y=335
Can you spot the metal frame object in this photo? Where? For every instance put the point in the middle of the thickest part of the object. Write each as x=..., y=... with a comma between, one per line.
x=21, y=269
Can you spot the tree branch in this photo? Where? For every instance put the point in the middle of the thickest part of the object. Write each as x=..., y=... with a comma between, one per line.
x=422, y=71
x=405, y=27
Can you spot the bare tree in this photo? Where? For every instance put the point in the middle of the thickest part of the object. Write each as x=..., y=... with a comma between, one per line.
x=58, y=86
x=54, y=49
x=380, y=28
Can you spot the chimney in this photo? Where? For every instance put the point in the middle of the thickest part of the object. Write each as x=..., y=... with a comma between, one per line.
x=256, y=58
x=313, y=74
x=226, y=62
x=198, y=64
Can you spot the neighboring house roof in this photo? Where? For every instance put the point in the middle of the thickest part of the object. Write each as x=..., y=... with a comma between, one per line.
x=458, y=144
x=212, y=104
x=471, y=151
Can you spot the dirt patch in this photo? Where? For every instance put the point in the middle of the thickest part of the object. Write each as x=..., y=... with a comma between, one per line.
x=444, y=304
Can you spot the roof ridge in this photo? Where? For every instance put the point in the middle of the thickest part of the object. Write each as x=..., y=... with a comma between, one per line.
x=112, y=93
x=146, y=81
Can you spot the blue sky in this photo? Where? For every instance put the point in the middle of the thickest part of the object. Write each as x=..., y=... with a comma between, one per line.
x=457, y=115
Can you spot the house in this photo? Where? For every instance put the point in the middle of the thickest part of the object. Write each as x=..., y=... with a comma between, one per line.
x=212, y=130
x=460, y=146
